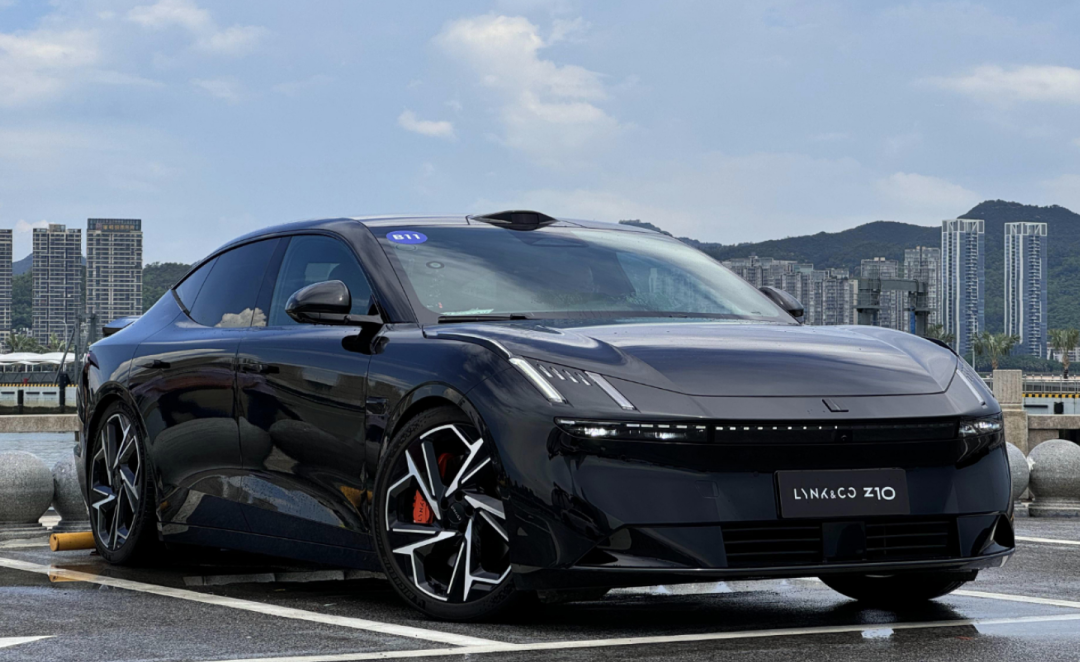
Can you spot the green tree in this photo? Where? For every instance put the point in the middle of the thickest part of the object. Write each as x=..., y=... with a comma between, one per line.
x=158, y=277
x=937, y=331
x=24, y=343
x=21, y=294
x=994, y=346
x=55, y=344
x=1064, y=341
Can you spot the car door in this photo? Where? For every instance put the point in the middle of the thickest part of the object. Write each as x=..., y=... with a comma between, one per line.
x=183, y=380
x=301, y=398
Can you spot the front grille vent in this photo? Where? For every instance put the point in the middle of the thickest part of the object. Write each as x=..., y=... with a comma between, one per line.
x=781, y=543
x=895, y=541
x=753, y=544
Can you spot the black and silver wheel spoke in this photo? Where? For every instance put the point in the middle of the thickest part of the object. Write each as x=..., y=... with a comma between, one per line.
x=444, y=520
x=116, y=476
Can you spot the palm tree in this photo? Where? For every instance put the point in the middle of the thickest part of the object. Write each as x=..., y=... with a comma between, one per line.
x=937, y=331
x=1064, y=341
x=24, y=343
x=994, y=345
x=55, y=344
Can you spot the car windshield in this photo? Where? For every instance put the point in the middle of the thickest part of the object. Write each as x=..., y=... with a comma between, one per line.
x=564, y=272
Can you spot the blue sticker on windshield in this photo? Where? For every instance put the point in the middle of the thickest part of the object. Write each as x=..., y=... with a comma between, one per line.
x=399, y=237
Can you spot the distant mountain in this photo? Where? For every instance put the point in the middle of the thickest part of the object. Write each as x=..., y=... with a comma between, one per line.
x=23, y=265
x=27, y=263
x=889, y=239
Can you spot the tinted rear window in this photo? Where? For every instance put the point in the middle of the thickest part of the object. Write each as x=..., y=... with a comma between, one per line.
x=227, y=297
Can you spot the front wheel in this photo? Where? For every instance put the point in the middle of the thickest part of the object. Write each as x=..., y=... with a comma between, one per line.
x=441, y=526
x=896, y=590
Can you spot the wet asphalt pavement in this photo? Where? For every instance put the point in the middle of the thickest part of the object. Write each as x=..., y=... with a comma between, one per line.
x=221, y=606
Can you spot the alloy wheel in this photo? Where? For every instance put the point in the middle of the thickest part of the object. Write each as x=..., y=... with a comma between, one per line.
x=445, y=522
x=116, y=475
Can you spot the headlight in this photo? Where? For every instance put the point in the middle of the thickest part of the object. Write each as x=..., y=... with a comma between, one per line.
x=674, y=432
x=978, y=426
x=979, y=436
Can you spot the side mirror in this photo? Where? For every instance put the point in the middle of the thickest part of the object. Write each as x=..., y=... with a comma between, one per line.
x=788, y=303
x=328, y=302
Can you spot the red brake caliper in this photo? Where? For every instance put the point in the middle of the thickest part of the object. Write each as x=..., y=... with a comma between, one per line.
x=421, y=511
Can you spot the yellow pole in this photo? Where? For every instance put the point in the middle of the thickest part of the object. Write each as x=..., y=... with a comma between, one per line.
x=62, y=542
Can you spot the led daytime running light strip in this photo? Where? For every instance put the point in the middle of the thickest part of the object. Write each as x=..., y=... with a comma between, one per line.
x=534, y=376
x=613, y=392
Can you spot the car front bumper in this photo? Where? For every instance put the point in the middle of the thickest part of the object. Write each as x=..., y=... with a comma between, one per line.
x=608, y=513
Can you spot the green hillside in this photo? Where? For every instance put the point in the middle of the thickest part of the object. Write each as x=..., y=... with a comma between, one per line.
x=889, y=239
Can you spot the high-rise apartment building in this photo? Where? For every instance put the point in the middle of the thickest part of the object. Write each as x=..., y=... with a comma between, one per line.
x=923, y=263
x=892, y=313
x=828, y=295
x=57, y=281
x=113, y=268
x=835, y=296
x=1025, y=286
x=963, y=280
x=5, y=288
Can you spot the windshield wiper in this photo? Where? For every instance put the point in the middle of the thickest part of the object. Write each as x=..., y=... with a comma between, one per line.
x=484, y=317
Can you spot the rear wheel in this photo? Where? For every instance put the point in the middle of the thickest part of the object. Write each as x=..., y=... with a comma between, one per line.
x=442, y=534
x=896, y=590
x=121, y=507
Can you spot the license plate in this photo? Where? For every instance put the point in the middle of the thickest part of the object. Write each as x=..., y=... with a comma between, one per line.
x=849, y=493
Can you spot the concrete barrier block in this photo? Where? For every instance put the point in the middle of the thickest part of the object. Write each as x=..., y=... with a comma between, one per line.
x=1021, y=475
x=26, y=490
x=68, y=499
x=1055, y=479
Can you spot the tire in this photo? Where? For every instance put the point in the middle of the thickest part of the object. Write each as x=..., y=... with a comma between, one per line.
x=119, y=491
x=895, y=590
x=444, y=544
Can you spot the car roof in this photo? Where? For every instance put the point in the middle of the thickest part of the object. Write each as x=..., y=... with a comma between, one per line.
x=410, y=220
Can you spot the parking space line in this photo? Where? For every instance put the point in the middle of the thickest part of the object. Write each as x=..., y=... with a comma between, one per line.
x=1010, y=597
x=8, y=642
x=663, y=639
x=251, y=606
x=1049, y=541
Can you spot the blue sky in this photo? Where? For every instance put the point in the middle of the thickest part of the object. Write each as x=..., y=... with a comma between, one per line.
x=723, y=121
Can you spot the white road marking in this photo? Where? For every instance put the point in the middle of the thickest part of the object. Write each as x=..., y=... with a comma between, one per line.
x=21, y=543
x=252, y=606
x=1009, y=597
x=1049, y=541
x=876, y=628
x=6, y=642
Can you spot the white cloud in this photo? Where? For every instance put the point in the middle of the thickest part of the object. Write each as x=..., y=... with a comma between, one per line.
x=1025, y=83
x=169, y=13
x=235, y=40
x=436, y=129
x=546, y=110
x=565, y=30
x=912, y=191
x=220, y=88
x=40, y=65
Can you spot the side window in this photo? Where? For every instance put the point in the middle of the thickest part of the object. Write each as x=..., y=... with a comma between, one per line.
x=227, y=297
x=192, y=283
x=313, y=259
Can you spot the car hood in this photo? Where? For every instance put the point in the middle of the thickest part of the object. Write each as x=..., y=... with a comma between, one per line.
x=732, y=359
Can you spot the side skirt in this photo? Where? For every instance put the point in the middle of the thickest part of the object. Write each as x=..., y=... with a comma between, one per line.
x=345, y=557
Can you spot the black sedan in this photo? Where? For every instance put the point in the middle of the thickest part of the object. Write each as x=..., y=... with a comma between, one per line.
x=505, y=407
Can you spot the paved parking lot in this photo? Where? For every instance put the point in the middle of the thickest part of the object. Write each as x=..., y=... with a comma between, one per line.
x=220, y=606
